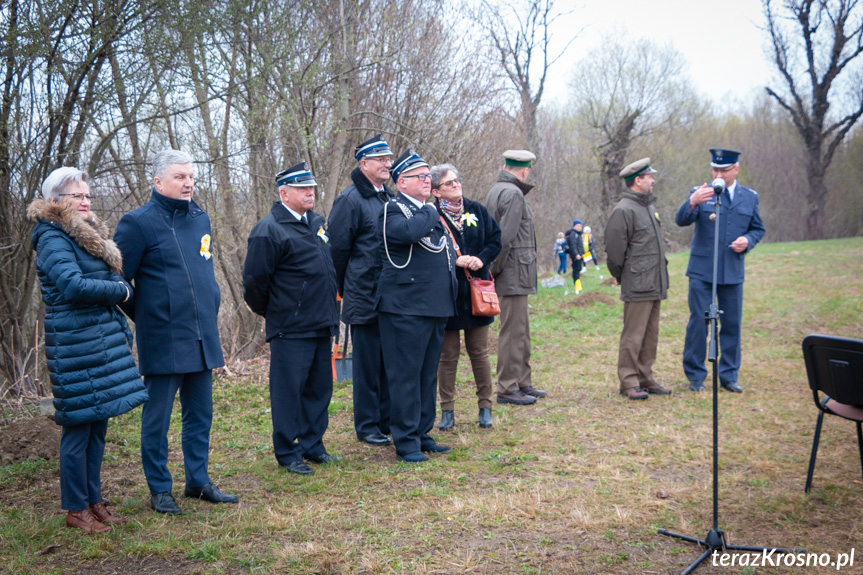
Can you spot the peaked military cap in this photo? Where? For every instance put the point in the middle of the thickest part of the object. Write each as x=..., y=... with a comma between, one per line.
x=635, y=169
x=518, y=158
x=296, y=176
x=373, y=148
x=408, y=161
x=723, y=158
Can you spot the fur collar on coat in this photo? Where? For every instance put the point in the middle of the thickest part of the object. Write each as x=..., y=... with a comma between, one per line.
x=91, y=233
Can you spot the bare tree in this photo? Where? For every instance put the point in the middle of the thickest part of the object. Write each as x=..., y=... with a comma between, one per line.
x=521, y=36
x=817, y=56
x=53, y=62
x=626, y=91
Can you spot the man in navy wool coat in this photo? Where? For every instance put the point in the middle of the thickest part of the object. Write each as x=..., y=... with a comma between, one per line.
x=740, y=229
x=166, y=247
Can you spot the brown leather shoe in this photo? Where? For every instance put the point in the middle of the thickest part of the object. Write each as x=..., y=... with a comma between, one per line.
x=657, y=389
x=101, y=513
x=85, y=520
x=516, y=397
x=634, y=393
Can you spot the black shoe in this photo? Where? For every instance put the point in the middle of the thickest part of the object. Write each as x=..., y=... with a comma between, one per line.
x=485, y=417
x=322, y=459
x=414, y=457
x=732, y=387
x=696, y=386
x=299, y=467
x=211, y=493
x=376, y=439
x=164, y=503
x=436, y=448
x=537, y=393
x=447, y=420
x=516, y=398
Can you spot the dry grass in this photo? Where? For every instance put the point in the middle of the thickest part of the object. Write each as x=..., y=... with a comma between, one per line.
x=578, y=483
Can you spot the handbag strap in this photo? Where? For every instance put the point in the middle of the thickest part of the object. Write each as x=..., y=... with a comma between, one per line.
x=454, y=243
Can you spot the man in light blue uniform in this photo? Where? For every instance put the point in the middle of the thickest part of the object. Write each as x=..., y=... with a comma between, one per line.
x=740, y=230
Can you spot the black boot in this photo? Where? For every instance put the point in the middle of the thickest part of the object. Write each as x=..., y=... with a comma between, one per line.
x=485, y=417
x=447, y=420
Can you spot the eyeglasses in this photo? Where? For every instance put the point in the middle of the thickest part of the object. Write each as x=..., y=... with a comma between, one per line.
x=420, y=177
x=382, y=159
x=78, y=196
x=451, y=182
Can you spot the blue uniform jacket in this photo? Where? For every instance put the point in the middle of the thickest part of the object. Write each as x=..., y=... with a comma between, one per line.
x=426, y=286
x=87, y=340
x=288, y=276
x=166, y=245
x=738, y=218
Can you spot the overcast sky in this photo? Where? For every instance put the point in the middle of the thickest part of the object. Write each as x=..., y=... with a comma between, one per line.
x=721, y=41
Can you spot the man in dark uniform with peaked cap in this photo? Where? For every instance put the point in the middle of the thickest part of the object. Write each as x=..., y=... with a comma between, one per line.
x=355, y=246
x=415, y=297
x=289, y=279
x=740, y=230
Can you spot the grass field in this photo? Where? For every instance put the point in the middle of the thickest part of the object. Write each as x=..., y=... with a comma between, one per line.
x=578, y=483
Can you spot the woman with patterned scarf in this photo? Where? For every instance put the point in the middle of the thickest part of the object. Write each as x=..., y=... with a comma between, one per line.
x=477, y=236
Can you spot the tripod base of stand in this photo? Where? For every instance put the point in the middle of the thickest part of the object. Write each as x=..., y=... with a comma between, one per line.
x=715, y=541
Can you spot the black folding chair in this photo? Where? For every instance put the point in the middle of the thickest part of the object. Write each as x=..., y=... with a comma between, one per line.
x=835, y=369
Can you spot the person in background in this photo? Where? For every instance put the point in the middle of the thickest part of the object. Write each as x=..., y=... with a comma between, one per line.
x=561, y=249
x=576, y=252
x=87, y=340
x=477, y=237
x=590, y=254
x=167, y=255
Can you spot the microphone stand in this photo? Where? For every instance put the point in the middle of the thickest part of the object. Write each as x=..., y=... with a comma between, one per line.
x=715, y=538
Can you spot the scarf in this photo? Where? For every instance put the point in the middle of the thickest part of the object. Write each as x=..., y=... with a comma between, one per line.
x=454, y=213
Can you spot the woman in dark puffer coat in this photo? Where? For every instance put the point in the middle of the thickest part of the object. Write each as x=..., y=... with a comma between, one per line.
x=87, y=340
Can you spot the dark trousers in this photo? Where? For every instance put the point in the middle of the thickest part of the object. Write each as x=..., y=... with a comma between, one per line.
x=81, y=450
x=412, y=347
x=695, y=346
x=561, y=269
x=301, y=386
x=576, y=269
x=638, y=341
x=196, y=402
x=371, y=392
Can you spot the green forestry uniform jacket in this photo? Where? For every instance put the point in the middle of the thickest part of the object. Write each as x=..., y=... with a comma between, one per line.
x=635, y=249
x=514, y=270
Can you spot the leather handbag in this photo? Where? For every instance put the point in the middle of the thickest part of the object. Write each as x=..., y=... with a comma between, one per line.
x=483, y=297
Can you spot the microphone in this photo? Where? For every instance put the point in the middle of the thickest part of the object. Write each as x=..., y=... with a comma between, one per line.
x=718, y=186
